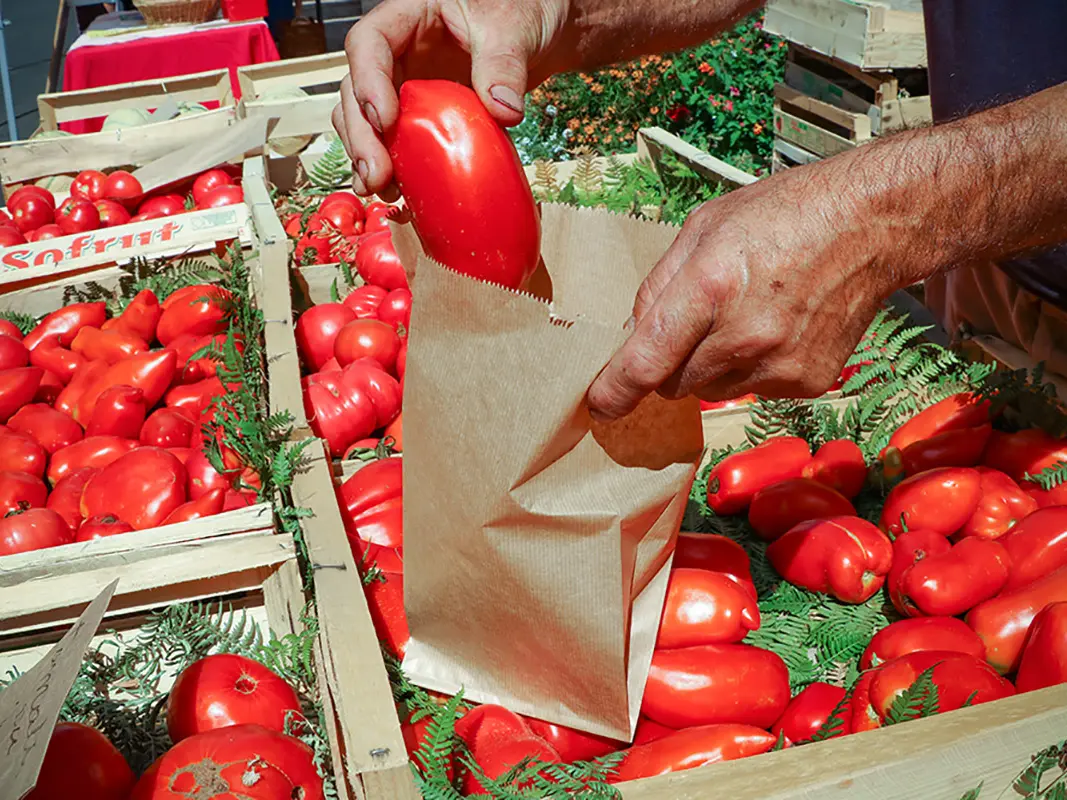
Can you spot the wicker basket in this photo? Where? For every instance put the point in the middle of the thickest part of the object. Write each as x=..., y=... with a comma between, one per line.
x=177, y=12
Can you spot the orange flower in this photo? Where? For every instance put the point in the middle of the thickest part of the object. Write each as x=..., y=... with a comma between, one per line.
x=596, y=88
x=588, y=129
x=757, y=129
x=637, y=74
x=607, y=140
x=573, y=124
x=706, y=68
x=618, y=129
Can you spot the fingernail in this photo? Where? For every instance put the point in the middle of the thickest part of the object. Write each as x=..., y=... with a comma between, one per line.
x=506, y=97
x=363, y=170
x=371, y=113
x=631, y=323
x=359, y=185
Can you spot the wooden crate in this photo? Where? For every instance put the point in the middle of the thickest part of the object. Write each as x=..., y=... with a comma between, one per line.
x=201, y=87
x=787, y=155
x=869, y=34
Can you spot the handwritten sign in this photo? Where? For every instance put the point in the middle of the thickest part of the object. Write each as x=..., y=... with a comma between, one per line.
x=29, y=708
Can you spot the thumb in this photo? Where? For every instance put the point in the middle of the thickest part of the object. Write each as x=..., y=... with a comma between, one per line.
x=498, y=74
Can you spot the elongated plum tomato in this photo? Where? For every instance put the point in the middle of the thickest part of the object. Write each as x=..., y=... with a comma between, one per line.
x=705, y=607
x=142, y=488
x=691, y=748
x=81, y=762
x=464, y=184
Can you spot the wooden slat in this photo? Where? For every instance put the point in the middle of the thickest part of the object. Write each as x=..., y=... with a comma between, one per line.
x=822, y=88
x=907, y=113
x=302, y=116
x=858, y=124
x=654, y=141
x=292, y=72
x=797, y=155
x=809, y=136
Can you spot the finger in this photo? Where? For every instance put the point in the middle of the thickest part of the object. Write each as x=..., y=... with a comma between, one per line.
x=372, y=169
x=661, y=275
x=498, y=73
x=662, y=340
x=371, y=46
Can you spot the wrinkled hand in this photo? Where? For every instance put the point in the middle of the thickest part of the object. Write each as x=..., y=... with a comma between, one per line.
x=766, y=289
x=491, y=45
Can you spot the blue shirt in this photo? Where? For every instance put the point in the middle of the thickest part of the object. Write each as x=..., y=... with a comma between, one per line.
x=984, y=53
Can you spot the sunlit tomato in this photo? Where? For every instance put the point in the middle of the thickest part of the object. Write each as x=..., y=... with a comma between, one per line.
x=225, y=689
x=207, y=505
x=316, y=331
x=734, y=481
x=23, y=193
x=52, y=429
x=963, y=410
x=13, y=352
x=954, y=582
x=49, y=389
x=66, y=496
x=21, y=453
x=222, y=196
x=93, y=451
x=715, y=553
x=9, y=328
x=395, y=431
x=150, y=372
x=20, y=490
x=1044, y=659
x=89, y=185
x=940, y=500
x=367, y=338
x=958, y=677
x=140, y=317
x=809, y=711
x=372, y=509
x=385, y=597
x=32, y=213
x=248, y=762
x=11, y=236
x=962, y=447
x=464, y=184
x=168, y=427
x=44, y=233
x=691, y=748
x=194, y=398
x=124, y=187
x=778, y=507
x=840, y=465
x=402, y=362
x=145, y=216
x=365, y=300
x=204, y=478
x=396, y=310
x=66, y=322
x=921, y=633
x=1025, y=452
x=207, y=181
x=112, y=213
x=716, y=683
x=313, y=248
x=166, y=205
x=705, y=608
x=378, y=216
x=61, y=362
x=100, y=526
x=345, y=406
x=201, y=310
x=649, y=731
x=909, y=548
x=111, y=346
x=120, y=411
x=572, y=745
x=344, y=198
x=1036, y=546
x=377, y=261
x=342, y=217
x=85, y=375
x=141, y=487
x=79, y=217
x=80, y=762
x=33, y=529
x=1003, y=504
x=239, y=499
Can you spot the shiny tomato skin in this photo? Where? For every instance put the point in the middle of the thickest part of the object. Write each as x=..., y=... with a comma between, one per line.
x=202, y=311
x=204, y=478
x=33, y=213
x=79, y=217
x=144, y=217
x=33, y=529
x=809, y=710
x=377, y=261
x=141, y=487
x=49, y=389
x=778, y=507
x=649, y=731
x=941, y=500
x=337, y=413
x=386, y=600
x=168, y=427
x=1036, y=546
x=249, y=762
x=239, y=499
x=207, y=505
x=93, y=451
x=120, y=411
x=18, y=386
x=165, y=205
x=23, y=193
x=716, y=683
x=371, y=502
x=921, y=633
x=124, y=187
x=572, y=745
x=112, y=213
x=395, y=431
x=66, y=322
x=85, y=374
x=51, y=429
x=9, y=328
x=344, y=198
x=66, y=496
x=1002, y=505
x=705, y=608
x=733, y=482
x=962, y=447
x=44, y=233
x=21, y=490
x=194, y=398
x=61, y=362
x=1044, y=658
x=222, y=196
x=89, y=185
x=962, y=410
x=715, y=553
x=370, y=378
x=95, y=344
x=100, y=526
x=151, y=372
x=365, y=300
x=395, y=310
x=464, y=184
x=1025, y=452
x=21, y=453
x=11, y=236
x=227, y=689
x=952, y=583
x=840, y=465
x=140, y=317
x=691, y=748
x=207, y=181
x=13, y=353
x=81, y=763
x=909, y=548
x=316, y=332
x=378, y=216
x=957, y=677
x=341, y=217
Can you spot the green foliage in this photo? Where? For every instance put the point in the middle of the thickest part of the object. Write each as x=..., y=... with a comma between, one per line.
x=1025, y=400
x=836, y=723
x=917, y=701
x=162, y=275
x=331, y=171
x=972, y=794
x=1032, y=782
x=24, y=322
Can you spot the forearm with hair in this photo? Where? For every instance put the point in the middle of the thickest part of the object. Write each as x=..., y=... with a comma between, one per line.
x=601, y=32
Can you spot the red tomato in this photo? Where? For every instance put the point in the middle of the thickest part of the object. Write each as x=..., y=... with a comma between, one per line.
x=120, y=411
x=705, y=608
x=204, y=478
x=367, y=338
x=81, y=763
x=111, y=213
x=223, y=690
x=809, y=711
x=49, y=390
x=140, y=317
x=248, y=762
x=464, y=184
x=401, y=362
x=78, y=217
x=840, y=465
x=959, y=411
x=957, y=677
x=194, y=398
x=691, y=748
x=372, y=504
x=1026, y=452
x=716, y=683
x=52, y=429
x=89, y=185
x=33, y=529
x=197, y=369
x=1036, y=546
x=341, y=217
x=239, y=499
x=1002, y=505
x=734, y=481
x=345, y=406
x=378, y=216
x=313, y=248
x=344, y=198
x=386, y=600
x=13, y=352
x=66, y=496
x=44, y=233
x=222, y=196
x=396, y=310
x=649, y=731
x=23, y=193
x=11, y=236
x=941, y=500
x=201, y=310
x=378, y=263
x=150, y=372
x=122, y=186
x=147, y=215
x=395, y=431
x=572, y=745
x=86, y=373
x=166, y=205
x=206, y=182
x=20, y=453
x=1002, y=622
x=33, y=213
x=168, y=427
x=1044, y=658
x=953, y=583
x=921, y=633
x=778, y=507
x=207, y=505
x=846, y=557
x=9, y=328
x=908, y=549
x=21, y=490
x=961, y=447
x=100, y=526
x=93, y=451
x=61, y=362
x=111, y=346
x=715, y=553
x=66, y=322
x=364, y=301
x=141, y=487
x=316, y=331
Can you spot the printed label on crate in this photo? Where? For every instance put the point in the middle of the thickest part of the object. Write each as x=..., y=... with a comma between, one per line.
x=108, y=245
x=29, y=707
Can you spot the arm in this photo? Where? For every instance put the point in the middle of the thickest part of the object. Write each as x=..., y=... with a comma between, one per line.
x=769, y=288
x=501, y=48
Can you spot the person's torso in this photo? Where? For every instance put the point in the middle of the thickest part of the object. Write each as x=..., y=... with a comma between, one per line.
x=984, y=53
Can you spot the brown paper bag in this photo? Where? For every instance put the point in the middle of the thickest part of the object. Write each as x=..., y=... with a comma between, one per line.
x=537, y=544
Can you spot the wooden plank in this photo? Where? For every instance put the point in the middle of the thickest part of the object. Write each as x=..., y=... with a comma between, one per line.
x=858, y=124
x=822, y=88
x=994, y=349
x=653, y=141
x=809, y=136
x=907, y=113
x=797, y=155
x=302, y=116
x=882, y=85
x=375, y=756
x=291, y=73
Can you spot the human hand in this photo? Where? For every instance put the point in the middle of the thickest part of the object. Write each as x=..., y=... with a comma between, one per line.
x=491, y=45
x=766, y=289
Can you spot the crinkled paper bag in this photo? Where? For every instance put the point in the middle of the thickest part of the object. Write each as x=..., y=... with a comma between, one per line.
x=536, y=542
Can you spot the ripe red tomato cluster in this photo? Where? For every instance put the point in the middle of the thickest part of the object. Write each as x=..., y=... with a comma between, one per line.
x=101, y=419
x=227, y=717
x=97, y=201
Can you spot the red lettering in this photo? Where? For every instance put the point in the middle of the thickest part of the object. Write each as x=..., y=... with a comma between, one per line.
x=168, y=230
x=127, y=241
x=42, y=257
x=144, y=237
x=16, y=259
x=103, y=244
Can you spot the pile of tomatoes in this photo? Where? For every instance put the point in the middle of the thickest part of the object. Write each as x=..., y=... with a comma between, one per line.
x=340, y=228
x=98, y=201
x=227, y=718
x=102, y=420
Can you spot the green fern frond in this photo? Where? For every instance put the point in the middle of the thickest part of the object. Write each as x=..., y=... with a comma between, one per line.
x=917, y=701
x=24, y=322
x=332, y=170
